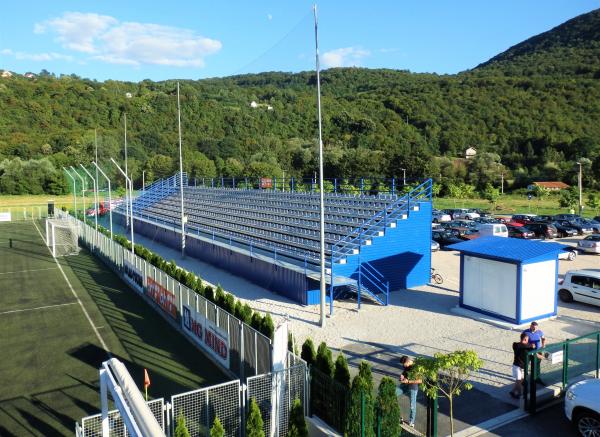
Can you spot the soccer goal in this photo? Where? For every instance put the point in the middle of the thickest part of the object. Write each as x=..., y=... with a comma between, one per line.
x=62, y=237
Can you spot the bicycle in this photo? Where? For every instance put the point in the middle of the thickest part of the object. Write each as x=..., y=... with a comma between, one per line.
x=436, y=277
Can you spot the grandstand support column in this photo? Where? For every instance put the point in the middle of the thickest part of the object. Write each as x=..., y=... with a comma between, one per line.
x=82, y=189
x=127, y=180
x=181, y=176
x=95, y=198
x=109, y=198
x=321, y=194
x=74, y=191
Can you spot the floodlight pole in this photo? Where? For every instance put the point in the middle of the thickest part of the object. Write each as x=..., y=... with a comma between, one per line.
x=95, y=194
x=130, y=204
x=74, y=191
x=109, y=198
x=143, y=180
x=181, y=176
x=321, y=194
x=403, y=177
x=126, y=171
x=580, y=183
x=82, y=189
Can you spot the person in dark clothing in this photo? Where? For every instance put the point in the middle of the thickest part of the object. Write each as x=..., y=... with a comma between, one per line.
x=410, y=387
x=520, y=349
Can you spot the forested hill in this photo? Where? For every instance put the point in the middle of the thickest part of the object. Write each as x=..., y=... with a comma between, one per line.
x=571, y=49
x=376, y=122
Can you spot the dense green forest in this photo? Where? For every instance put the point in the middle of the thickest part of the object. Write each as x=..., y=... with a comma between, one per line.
x=531, y=112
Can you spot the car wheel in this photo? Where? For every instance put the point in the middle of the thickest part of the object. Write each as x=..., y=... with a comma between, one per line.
x=565, y=295
x=572, y=255
x=587, y=423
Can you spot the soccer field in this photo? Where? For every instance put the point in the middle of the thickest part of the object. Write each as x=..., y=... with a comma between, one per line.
x=59, y=321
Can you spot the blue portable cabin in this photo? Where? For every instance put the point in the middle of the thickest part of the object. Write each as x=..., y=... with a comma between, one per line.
x=509, y=279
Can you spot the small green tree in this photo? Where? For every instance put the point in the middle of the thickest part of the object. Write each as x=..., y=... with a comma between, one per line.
x=325, y=360
x=267, y=327
x=217, y=429
x=209, y=293
x=297, y=425
x=447, y=374
x=180, y=429
x=246, y=314
x=341, y=373
x=220, y=296
x=568, y=198
x=491, y=194
x=593, y=201
x=361, y=408
x=387, y=408
x=436, y=188
x=256, y=321
x=308, y=353
x=254, y=423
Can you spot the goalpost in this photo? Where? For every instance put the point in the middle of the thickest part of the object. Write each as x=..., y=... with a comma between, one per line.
x=62, y=237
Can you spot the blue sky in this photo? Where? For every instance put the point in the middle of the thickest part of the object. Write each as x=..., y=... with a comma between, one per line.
x=135, y=40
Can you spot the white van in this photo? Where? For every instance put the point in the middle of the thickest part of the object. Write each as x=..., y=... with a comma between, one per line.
x=581, y=286
x=493, y=230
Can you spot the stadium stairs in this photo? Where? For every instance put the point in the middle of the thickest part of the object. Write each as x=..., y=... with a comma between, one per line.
x=374, y=244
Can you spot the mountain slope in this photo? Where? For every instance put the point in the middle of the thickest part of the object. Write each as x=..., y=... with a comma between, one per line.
x=572, y=48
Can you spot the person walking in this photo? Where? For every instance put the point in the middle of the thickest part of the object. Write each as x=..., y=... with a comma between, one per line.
x=411, y=386
x=536, y=337
x=520, y=349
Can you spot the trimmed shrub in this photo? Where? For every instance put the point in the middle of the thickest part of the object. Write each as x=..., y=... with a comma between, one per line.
x=181, y=430
x=308, y=353
x=324, y=360
x=341, y=373
x=254, y=423
x=229, y=303
x=362, y=389
x=267, y=327
x=387, y=408
x=209, y=293
x=256, y=321
x=220, y=296
x=237, y=309
x=217, y=429
x=297, y=425
x=246, y=313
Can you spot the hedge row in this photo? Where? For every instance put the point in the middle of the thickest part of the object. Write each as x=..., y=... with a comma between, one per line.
x=226, y=301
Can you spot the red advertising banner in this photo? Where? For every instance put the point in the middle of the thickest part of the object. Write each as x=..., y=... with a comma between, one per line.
x=163, y=297
x=266, y=183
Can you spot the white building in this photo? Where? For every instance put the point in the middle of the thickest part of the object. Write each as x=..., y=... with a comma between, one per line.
x=470, y=153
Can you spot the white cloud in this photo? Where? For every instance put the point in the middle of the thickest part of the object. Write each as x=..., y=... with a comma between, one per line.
x=389, y=50
x=23, y=56
x=344, y=57
x=129, y=43
x=269, y=17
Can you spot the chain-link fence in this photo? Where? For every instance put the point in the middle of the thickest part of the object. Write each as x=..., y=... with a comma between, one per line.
x=200, y=408
x=560, y=364
x=91, y=426
x=274, y=394
x=235, y=346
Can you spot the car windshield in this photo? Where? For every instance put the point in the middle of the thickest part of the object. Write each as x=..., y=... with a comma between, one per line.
x=593, y=238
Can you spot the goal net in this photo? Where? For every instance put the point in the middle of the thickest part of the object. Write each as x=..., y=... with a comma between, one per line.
x=62, y=237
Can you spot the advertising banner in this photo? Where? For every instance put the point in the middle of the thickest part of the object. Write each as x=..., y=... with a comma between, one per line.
x=163, y=297
x=134, y=276
x=205, y=334
x=4, y=216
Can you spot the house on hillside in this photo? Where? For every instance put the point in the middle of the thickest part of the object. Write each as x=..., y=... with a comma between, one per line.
x=549, y=185
x=6, y=73
x=470, y=153
x=253, y=104
x=29, y=75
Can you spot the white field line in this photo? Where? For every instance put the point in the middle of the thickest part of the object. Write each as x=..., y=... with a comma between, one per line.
x=38, y=308
x=87, y=316
x=27, y=271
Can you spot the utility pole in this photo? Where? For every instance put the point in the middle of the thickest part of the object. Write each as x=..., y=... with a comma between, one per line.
x=130, y=201
x=403, y=177
x=321, y=193
x=109, y=198
x=143, y=180
x=502, y=184
x=126, y=173
x=580, y=183
x=181, y=176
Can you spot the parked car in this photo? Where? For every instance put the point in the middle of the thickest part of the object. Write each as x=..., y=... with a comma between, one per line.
x=544, y=218
x=564, y=230
x=444, y=238
x=519, y=232
x=489, y=219
x=590, y=224
x=471, y=224
x=581, y=228
x=582, y=406
x=542, y=230
x=561, y=217
x=597, y=218
x=523, y=218
x=435, y=246
x=581, y=286
x=438, y=216
x=493, y=229
x=464, y=214
x=590, y=244
x=568, y=253
x=469, y=234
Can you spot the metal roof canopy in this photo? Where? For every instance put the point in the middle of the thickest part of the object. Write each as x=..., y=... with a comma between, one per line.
x=508, y=249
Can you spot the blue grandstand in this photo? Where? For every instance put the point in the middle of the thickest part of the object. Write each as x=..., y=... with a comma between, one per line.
x=374, y=243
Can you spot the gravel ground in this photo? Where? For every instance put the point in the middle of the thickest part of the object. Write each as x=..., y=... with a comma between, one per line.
x=416, y=322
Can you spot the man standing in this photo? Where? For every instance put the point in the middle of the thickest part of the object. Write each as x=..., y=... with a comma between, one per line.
x=537, y=338
x=520, y=349
x=410, y=385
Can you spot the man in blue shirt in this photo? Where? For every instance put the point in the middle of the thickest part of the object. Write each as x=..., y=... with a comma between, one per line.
x=536, y=337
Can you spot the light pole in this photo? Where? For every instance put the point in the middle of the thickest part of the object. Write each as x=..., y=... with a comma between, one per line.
x=74, y=191
x=109, y=198
x=143, y=180
x=95, y=194
x=82, y=189
x=127, y=180
x=321, y=193
x=126, y=171
x=183, y=219
x=502, y=183
x=580, y=182
x=403, y=177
